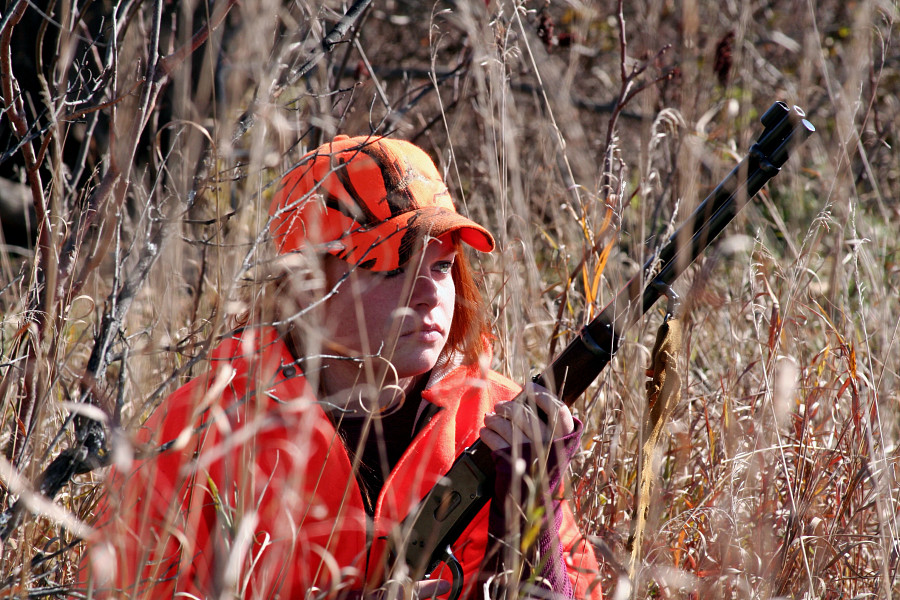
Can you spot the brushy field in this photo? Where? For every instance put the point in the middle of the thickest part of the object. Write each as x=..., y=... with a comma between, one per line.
x=580, y=133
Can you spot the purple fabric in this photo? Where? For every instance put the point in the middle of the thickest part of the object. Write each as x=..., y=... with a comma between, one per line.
x=553, y=571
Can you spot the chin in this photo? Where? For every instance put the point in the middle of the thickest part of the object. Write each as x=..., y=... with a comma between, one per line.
x=415, y=366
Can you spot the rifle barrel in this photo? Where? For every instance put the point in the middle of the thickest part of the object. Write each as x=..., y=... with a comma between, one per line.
x=579, y=364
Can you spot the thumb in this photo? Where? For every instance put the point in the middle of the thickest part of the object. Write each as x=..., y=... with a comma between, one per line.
x=431, y=588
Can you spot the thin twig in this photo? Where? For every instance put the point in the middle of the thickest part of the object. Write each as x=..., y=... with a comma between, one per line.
x=337, y=33
x=171, y=62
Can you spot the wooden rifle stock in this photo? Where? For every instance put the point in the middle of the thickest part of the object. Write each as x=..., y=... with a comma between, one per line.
x=424, y=538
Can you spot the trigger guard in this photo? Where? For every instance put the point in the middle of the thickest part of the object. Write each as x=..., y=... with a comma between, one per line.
x=456, y=571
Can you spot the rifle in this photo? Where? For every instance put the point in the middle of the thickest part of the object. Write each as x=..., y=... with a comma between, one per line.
x=425, y=537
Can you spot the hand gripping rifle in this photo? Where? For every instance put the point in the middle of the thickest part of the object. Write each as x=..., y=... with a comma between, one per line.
x=426, y=535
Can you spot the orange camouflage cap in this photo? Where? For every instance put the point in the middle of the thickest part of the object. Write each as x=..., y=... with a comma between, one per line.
x=368, y=201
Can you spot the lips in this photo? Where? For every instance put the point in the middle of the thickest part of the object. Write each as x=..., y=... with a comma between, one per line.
x=424, y=329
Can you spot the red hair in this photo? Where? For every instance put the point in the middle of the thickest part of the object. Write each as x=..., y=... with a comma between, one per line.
x=471, y=326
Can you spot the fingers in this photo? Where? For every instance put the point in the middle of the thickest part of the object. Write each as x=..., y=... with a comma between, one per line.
x=426, y=588
x=491, y=438
x=560, y=421
x=517, y=421
x=430, y=588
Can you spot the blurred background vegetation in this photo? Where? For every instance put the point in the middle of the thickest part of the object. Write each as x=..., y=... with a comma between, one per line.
x=139, y=140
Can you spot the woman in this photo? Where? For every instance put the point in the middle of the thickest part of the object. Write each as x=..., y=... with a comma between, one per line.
x=286, y=468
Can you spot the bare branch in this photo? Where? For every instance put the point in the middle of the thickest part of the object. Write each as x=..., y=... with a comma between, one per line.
x=174, y=60
x=337, y=33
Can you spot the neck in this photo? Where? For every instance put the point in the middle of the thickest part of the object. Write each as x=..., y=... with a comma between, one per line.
x=356, y=384
x=361, y=387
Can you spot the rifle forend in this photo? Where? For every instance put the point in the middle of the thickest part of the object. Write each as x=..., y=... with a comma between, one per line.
x=424, y=539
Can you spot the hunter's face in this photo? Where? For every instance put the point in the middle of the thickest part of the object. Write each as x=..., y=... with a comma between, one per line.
x=403, y=316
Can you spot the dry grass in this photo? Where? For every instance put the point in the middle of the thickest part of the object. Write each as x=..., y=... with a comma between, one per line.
x=779, y=476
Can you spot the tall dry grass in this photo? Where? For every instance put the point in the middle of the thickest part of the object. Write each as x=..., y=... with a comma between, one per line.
x=779, y=473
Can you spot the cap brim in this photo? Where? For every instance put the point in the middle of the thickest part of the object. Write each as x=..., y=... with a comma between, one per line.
x=390, y=244
x=440, y=221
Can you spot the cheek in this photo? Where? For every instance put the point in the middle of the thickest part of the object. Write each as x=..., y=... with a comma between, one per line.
x=347, y=325
x=448, y=298
x=381, y=310
x=338, y=320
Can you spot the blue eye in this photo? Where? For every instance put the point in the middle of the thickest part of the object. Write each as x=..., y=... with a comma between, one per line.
x=445, y=266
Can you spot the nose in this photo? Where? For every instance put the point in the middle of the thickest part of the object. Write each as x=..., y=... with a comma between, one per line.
x=425, y=291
